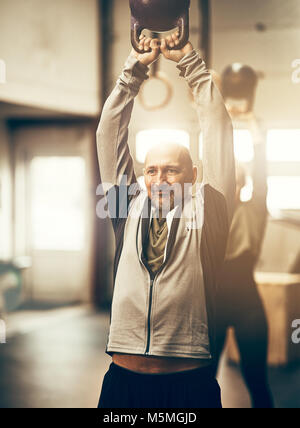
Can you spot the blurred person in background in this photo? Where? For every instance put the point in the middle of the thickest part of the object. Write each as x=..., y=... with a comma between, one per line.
x=239, y=303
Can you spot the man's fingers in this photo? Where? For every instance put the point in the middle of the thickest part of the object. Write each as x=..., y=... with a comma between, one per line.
x=147, y=44
x=175, y=39
x=170, y=42
x=154, y=44
x=142, y=41
x=163, y=46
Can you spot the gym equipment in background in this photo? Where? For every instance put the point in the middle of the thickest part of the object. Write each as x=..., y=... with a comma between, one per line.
x=159, y=16
x=239, y=83
x=10, y=287
x=11, y=283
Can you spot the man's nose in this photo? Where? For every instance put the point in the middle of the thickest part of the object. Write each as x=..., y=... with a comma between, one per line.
x=161, y=178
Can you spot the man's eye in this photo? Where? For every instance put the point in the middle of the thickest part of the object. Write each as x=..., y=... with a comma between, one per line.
x=151, y=171
x=172, y=171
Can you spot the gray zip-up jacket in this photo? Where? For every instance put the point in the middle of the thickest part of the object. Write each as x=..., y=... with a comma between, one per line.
x=171, y=314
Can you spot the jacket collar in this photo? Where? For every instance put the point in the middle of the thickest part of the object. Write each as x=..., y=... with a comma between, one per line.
x=173, y=224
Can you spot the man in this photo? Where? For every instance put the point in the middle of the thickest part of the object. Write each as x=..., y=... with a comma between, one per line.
x=162, y=328
x=240, y=305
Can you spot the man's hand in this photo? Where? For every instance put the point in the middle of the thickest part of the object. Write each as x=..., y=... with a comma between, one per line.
x=152, y=48
x=173, y=54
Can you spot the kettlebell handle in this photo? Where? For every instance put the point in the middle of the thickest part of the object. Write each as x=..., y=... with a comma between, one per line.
x=184, y=33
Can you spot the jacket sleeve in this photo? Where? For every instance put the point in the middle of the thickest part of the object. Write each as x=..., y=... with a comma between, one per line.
x=114, y=157
x=216, y=126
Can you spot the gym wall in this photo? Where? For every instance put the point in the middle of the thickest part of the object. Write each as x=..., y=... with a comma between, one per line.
x=47, y=60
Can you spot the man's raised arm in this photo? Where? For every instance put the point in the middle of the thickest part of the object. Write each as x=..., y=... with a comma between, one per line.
x=114, y=156
x=216, y=126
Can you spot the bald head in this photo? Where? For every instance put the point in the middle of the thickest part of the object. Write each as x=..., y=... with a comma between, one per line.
x=170, y=153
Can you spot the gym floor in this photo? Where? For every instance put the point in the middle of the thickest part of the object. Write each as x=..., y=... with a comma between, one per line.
x=56, y=359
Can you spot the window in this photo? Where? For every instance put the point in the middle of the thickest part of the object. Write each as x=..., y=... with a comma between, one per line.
x=145, y=140
x=57, y=209
x=283, y=145
x=243, y=147
x=283, y=193
x=247, y=191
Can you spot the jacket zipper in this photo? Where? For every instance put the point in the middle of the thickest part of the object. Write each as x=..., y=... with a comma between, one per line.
x=151, y=295
x=149, y=316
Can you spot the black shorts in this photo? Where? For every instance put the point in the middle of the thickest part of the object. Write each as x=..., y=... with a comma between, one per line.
x=191, y=389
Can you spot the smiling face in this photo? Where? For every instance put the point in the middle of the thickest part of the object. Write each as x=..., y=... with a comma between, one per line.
x=168, y=168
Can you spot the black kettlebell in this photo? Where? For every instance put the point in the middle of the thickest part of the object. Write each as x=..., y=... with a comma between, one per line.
x=239, y=82
x=159, y=16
